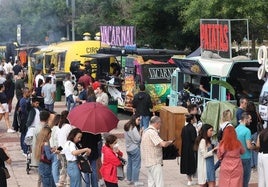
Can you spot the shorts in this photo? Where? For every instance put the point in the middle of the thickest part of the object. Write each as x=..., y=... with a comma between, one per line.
x=5, y=106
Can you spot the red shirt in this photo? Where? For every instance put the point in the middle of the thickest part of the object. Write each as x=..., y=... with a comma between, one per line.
x=108, y=169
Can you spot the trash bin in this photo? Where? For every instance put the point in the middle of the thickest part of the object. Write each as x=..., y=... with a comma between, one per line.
x=112, y=105
x=58, y=91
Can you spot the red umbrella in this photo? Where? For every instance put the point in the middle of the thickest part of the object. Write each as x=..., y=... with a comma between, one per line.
x=93, y=117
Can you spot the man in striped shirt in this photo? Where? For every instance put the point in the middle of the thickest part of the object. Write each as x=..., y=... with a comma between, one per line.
x=151, y=145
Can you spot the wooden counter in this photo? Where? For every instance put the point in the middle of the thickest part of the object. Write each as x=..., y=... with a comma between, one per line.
x=173, y=119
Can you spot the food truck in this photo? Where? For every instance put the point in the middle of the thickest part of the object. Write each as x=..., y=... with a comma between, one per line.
x=230, y=77
x=63, y=53
x=138, y=66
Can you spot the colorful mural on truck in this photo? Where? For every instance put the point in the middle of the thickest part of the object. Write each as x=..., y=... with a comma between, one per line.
x=155, y=75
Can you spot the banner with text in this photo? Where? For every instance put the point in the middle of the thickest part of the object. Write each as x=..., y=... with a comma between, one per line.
x=215, y=36
x=119, y=36
x=161, y=73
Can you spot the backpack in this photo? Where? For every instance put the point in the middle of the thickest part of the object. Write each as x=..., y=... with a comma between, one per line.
x=183, y=97
x=220, y=132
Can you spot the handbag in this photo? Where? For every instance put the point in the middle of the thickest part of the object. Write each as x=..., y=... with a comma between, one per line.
x=6, y=172
x=120, y=169
x=170, y=152
x=43, y=157
x=84, y=164
x=120, y=172
x=260, y=123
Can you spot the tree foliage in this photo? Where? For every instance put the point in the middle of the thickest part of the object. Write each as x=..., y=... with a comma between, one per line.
x=160, y=24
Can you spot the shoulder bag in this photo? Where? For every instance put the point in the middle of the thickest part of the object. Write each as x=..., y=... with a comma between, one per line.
x=44, y=157
x=120, y=169
x=7, y=175
x=84, y=164
x=259, y=123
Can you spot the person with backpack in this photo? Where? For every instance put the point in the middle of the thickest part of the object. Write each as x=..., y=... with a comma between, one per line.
x=184, y=95
x=226, y=119
x=227, y=116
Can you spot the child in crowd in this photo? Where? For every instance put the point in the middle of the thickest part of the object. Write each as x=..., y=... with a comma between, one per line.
x=110, y=153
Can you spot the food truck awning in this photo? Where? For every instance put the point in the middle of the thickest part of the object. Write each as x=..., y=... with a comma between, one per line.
x=205, y=67
x=98, y=55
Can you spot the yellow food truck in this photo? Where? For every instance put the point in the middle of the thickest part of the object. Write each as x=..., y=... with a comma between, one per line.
x=62, y=54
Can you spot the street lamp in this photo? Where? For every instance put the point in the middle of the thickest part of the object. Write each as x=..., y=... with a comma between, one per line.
x=73, y=17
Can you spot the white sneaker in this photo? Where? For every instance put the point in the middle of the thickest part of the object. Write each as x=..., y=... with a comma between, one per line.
x=189, y=183
x=25, y=155
x=129, y=182
x=10, y=131
x=101, y=182
x=138, y=184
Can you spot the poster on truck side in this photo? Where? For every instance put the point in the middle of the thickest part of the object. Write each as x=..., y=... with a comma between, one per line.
x=156, y=78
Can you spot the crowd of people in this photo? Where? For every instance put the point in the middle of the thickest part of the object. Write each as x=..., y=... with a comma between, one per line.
x=48, y=138
x=54, y=143
x=239, y=148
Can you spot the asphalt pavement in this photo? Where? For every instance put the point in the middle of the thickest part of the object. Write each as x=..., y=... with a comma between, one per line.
x=20, y=178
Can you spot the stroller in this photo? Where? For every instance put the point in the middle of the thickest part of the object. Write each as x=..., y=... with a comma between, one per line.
x=29, y=142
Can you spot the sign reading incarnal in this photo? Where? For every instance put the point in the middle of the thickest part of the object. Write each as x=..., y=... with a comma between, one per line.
x=161, y=73
x=119, y=36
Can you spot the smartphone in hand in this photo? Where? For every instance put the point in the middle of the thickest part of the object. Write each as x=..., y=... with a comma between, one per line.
x=59, y=148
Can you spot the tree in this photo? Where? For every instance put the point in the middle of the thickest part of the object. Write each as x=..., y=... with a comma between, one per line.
x=94, y=13
x=157, y=23
x=254, y=11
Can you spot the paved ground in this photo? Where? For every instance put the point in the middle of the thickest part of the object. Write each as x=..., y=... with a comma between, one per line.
x=19, y=177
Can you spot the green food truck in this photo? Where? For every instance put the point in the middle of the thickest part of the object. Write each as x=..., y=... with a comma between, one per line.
x=139, y=66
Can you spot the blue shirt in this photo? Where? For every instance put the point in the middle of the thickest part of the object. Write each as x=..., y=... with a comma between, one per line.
x=24, y=105
x=244, y=135
x=239, y=113
x=83, y=95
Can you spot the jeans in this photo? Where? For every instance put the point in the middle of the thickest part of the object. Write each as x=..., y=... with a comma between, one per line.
x=46, y=175
x=50, y=107
x=74, y=174
x=145, y=122
x=254, y=154
x=217, y=165
x=247, y=171
x=70, y=102
x=55, y=168
x=93, y=177
x=133, y=165
x=24, y=147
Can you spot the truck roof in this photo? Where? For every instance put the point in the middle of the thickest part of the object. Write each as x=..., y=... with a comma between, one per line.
x=212, y=67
